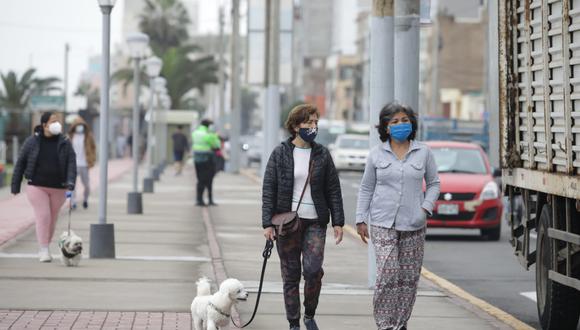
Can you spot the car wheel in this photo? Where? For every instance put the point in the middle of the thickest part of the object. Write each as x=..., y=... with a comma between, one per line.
x=491, y=234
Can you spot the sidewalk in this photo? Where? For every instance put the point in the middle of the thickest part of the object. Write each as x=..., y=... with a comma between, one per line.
x=161, y=254
x=21, y=216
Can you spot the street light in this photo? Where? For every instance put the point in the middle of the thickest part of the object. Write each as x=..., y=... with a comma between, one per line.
x=153, y=67
x=102, y=234
x=137, y=43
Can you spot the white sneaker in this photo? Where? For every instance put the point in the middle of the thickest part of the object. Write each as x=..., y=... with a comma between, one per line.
x=44, y=256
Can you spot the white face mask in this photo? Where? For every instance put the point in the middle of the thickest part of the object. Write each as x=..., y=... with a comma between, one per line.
x=80, y=129
x=55, y=128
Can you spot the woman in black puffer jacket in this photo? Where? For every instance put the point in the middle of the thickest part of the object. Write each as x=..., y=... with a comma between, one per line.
x=48, y=162
x=284, y=180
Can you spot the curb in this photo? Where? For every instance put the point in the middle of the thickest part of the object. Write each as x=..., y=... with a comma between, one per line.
x=456, y=291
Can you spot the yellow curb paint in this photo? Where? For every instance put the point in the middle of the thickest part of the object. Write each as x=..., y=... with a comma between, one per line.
x=481, y=304
x=457, y=291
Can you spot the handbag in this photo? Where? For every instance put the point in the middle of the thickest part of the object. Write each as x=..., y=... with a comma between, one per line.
x=288, y=222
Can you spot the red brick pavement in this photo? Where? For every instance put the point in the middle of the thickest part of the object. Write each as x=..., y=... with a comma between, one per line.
x=56, y=320
x=16, y=215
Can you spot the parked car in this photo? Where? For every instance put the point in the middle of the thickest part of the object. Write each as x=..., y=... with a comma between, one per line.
x=350, y=152
x=470, y=197
x=252, y=145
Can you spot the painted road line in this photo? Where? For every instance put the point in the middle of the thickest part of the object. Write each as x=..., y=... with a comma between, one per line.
x=530, y=295
x=457, y=291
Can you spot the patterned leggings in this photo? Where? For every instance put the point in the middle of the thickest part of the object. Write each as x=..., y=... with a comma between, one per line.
x=399, y=258
x=309, y=242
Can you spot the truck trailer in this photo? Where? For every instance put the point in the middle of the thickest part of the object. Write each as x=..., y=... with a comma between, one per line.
x=539, y=105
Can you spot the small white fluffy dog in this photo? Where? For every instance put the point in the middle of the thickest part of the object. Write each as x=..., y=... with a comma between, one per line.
x=71, y=248
x=211, y=312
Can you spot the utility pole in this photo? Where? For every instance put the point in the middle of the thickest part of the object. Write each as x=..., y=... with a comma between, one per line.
x=222, y=73
x=407, y=48
x=271, y=124
x=492, y=106
x=65, y=80
x=435, y=109
x=382, y=88
x=235, y=118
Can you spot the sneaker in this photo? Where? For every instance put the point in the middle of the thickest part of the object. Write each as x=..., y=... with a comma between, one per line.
x=44, y=256
x=310, y=323
x=85, y=205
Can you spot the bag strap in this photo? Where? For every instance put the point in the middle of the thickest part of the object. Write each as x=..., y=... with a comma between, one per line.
x=310, y=168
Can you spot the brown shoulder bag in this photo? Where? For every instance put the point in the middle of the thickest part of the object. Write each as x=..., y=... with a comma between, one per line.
x=288, y=222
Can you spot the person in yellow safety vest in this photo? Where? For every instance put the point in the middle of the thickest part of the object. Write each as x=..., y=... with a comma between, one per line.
x=205, y=143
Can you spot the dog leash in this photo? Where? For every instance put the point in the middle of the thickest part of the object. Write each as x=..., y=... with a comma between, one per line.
x=68, y=195
x=266, y=254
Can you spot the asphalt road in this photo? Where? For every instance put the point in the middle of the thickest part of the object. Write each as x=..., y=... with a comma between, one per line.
x=487, y=270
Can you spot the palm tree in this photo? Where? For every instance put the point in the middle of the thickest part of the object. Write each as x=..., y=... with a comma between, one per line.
x=16, y=93
x=184, y=74
x=91, y=94
x=165, y=22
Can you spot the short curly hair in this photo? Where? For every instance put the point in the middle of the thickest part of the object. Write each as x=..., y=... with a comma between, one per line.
x=298, y=115
x=388, y=112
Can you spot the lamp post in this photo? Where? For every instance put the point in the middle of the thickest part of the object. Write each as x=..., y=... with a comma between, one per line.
x=137, y=43
x=165, y=105
x=102, y=234
x=160, y=89
x=153, y=67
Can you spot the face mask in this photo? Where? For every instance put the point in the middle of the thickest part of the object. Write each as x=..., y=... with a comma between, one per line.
x=401, y=132
x=80, y=129
x=308, y=134
x=55, y=128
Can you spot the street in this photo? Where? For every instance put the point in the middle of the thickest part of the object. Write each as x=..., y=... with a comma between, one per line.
x=485, y=269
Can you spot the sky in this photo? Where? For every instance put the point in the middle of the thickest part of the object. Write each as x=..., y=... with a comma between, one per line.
x=33, y=33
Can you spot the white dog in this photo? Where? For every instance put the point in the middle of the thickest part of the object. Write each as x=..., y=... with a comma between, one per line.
x=211, y=312
x=71, y=248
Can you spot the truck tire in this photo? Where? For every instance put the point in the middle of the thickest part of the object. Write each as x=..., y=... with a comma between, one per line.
x=491, y=234
x=558, y=307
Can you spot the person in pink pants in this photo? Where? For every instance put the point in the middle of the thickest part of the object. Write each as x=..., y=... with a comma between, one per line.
x=48, y=162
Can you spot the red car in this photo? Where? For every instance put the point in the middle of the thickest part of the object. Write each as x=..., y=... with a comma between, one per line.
x=469, y=198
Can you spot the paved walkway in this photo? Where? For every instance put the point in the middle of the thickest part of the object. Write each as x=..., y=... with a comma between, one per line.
x=21, y=217
x=161, y=254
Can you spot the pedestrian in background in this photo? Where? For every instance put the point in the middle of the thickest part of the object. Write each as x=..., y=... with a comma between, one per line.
x=285, y=178
x=204, y=145
x=392, y=202
x=180, y=147
x=84, y=146
x=47, y=161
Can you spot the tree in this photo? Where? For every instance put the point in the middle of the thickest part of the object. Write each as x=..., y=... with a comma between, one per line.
x=17, y=91
x=15, y=97
x=183, y=73
x=91, y=94
x=165, y=22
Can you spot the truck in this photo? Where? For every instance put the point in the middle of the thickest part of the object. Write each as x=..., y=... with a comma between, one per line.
x=539, y=128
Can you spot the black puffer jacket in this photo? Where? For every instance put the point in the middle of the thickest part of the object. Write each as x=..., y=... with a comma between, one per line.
x=28, y=156
x=278, y=185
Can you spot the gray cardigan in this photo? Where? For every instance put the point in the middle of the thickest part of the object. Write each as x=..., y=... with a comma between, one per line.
x=391, y=190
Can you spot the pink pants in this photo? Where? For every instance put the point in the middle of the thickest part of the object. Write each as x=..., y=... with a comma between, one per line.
x=46, y=203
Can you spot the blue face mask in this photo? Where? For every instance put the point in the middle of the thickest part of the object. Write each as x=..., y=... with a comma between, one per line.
x=401, y=132
x=308, y=134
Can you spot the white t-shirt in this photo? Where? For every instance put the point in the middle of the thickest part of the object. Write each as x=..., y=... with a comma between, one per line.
x=301, y=164
x=78, y=142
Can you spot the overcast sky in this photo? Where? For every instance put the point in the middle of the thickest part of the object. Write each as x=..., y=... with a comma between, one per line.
x=33, y=34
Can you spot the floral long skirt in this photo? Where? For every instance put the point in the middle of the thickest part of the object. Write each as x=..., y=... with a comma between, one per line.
x=399, y=256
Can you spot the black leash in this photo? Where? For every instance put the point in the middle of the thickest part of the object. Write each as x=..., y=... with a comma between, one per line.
x=266, y=254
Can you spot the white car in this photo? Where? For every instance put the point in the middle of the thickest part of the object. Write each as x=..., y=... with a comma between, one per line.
x=350, y=152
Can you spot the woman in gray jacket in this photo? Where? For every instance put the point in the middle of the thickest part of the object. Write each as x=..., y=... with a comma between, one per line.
x=391, y=203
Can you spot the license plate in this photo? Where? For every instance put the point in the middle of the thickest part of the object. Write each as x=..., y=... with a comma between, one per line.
x=448, y=209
